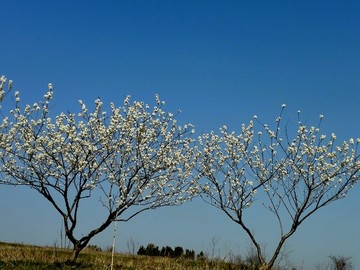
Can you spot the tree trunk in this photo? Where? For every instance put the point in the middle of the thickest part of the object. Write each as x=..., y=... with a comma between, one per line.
x=75, y=255
x=76, y=251
x=265, y=266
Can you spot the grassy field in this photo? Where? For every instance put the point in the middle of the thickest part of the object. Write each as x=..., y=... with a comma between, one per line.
x=25, y=257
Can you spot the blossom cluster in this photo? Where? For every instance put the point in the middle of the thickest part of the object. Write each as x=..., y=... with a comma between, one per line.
x=223, y=164
x=3, y=91
x=305, y=172
x=134, y=155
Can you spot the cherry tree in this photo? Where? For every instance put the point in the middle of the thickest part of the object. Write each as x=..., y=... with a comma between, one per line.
x=291, y=175
x=133, y=159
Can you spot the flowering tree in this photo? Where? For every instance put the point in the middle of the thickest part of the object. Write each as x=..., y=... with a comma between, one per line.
x=136, y=156
x=293, y=178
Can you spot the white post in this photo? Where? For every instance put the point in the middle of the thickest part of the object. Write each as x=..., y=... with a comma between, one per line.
x=113, y=246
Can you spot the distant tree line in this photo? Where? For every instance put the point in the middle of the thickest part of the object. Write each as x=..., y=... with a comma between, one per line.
x=178, y=252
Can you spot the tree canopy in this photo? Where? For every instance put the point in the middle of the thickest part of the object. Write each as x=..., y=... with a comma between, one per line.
x=136, y=156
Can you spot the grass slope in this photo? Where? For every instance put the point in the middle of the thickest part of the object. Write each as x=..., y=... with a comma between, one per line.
x=26, y=257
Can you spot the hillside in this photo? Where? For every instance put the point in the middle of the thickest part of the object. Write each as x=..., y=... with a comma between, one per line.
x=27, y=257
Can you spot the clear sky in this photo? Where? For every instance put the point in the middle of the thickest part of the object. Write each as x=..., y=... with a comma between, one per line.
x=220, y=62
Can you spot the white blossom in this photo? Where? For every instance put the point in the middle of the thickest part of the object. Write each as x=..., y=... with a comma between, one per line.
x=292, y=177
x=134, y=155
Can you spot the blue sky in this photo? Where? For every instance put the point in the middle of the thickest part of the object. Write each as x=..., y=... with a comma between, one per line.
x=220, y=62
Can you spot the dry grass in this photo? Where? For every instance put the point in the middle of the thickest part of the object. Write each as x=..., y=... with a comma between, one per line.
x=25, y=257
